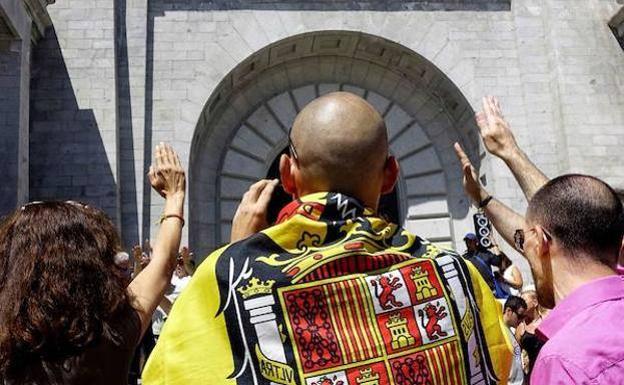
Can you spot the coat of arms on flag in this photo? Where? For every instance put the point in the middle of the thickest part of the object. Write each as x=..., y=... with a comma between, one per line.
x=394, y=327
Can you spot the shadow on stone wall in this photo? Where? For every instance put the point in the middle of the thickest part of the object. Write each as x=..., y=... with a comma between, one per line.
x=67, y=155
x=340, y=5
x=127, y=172
x=9, y=124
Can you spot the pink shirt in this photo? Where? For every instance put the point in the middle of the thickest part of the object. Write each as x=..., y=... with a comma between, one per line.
x=620, y=269
x=585, y=334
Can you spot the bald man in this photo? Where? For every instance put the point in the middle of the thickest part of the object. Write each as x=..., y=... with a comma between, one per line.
x=331, y=294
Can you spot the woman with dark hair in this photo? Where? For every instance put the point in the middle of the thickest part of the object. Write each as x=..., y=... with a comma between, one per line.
x=67, y=316
x=508, y=275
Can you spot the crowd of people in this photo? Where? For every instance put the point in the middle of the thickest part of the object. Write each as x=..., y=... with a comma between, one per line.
x=184, y=269
x=330, y=294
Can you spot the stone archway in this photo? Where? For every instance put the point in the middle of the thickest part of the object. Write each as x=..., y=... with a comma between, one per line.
x=244, y=125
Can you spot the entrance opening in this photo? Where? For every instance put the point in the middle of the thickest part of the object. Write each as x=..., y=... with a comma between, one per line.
x=245, y=123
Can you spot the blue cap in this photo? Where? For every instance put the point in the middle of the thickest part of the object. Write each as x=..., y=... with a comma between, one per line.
x=471, y=236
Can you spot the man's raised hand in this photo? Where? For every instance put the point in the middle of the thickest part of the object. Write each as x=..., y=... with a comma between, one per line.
x=471, y=183
x=185, y=254
x=497, y=136
x=251, y=215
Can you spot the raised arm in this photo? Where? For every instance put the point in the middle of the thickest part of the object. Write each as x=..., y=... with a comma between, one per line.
x=148, y=287
x=187, y=260
x=251, y=214
x=136, y=258
x=500, y=141
x=503, y=218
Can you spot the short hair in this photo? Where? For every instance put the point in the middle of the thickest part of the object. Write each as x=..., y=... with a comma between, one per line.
x=583, y=213
x=120, y=258
x=531, y=293
x=515, y=303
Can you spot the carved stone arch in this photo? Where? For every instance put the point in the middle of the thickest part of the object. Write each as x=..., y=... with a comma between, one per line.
x=244, y=125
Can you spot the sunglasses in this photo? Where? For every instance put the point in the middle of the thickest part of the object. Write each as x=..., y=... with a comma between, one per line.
x=36, y=203
x=291, y=146
x=519, y=238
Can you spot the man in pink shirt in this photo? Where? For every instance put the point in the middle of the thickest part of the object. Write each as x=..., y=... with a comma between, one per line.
x=572, y=237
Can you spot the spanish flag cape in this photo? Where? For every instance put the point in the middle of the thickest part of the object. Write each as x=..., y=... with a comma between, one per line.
x=332, y=296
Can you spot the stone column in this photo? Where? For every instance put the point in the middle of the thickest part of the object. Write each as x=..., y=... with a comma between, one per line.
x=21, y=23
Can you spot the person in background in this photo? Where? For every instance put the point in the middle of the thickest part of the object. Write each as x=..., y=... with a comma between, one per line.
x=572, y=238
x=123, y=264
x=179, y=281
x=181, y=276
x=141, y=257
x=188, y=260
x=526, y=332
x=66, y=315
x=514, y=311
x=481, y=258
x=508, y=275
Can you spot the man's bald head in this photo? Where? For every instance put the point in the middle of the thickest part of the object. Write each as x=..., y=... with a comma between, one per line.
x=340, y=141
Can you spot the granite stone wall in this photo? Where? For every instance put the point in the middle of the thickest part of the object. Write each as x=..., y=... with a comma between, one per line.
x=132, y=73
x=73, y=134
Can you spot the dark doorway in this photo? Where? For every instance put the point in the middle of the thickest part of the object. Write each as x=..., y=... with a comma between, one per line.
x=388, y=205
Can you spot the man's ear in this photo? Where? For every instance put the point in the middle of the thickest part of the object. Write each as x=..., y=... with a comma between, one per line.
x=390, y=175
x=287, y=177
x=542, y=244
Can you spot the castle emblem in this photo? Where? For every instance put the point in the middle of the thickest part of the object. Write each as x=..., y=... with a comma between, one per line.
x=401, y=336
x=368, y=377
x=424, y=288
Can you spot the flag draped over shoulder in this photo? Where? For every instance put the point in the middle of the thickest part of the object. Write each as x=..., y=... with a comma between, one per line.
x=332, y=296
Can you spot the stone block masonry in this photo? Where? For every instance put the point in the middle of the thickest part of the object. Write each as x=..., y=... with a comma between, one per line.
x=98, y=106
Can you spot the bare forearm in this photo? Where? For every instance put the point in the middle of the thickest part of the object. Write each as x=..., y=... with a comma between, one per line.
x=168, y=241
x=148, y=288
x=529, y=177
x=504, y=219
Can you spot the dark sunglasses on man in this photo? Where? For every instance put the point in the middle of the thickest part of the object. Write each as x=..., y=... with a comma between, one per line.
x=519, y=238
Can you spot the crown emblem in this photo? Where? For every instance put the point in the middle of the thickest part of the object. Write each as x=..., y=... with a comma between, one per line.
x=418, y=272
x=367, y=376
x=396, y=320
x=256, y=287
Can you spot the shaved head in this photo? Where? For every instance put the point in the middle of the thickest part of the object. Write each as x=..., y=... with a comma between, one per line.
x=340, y=142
